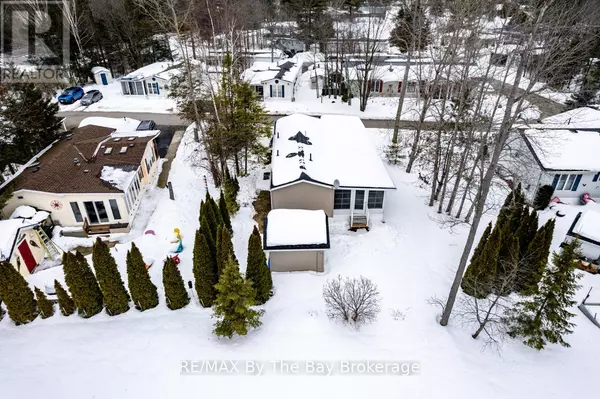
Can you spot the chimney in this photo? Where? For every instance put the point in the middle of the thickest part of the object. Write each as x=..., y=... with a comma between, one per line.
x=310, y=157
x=277, y=152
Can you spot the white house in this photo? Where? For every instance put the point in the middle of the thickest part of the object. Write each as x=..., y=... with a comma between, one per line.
x=274, y=80
x=151, y=80
x=586, y=229
x=328, y=164
x=102, y=76
x=561, y=151
x=93, y=179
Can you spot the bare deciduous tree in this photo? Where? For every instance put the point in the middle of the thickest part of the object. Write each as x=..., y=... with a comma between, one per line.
x=351, y=300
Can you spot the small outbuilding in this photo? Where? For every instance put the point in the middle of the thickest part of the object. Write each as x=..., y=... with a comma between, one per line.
x=296, y=240
x=586, y=229
x=102, y=76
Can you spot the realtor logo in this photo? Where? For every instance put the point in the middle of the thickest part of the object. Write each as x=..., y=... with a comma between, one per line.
x=34, y=37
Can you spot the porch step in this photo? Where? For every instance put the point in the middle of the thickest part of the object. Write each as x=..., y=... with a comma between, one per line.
x=359, y=221
x=99, y=229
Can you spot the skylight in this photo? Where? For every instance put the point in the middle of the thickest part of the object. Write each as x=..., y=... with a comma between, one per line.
x=107, y=150
x=123, y=150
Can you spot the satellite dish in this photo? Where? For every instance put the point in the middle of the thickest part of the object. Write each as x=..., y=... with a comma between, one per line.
x=336, y=184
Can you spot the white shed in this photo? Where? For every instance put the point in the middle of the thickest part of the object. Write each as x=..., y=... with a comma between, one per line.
x=102, y=76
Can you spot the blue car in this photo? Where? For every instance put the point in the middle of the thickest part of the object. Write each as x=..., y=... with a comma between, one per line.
x=70, y=95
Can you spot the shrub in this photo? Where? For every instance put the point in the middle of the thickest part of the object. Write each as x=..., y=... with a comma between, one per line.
x=17, y=295
x=175, y=292
x=351, y=300
x=65, y=303
x=143, y=292
x=543, y=197
x=82, y=284
x=45, y=306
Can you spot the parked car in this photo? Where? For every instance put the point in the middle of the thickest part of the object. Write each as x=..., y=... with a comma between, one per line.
x=146, y=125
x=92, y=96
x=70, y=95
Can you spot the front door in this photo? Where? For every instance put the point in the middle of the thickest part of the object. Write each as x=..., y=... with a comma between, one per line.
x=104, y=80
x=359, y=202
x=27, y=256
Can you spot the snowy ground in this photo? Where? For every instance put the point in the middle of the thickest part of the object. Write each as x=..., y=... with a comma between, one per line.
x=114, y=101
x=411, y=259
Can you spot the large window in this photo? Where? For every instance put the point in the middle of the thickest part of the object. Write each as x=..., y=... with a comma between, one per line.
x=114, y=207
x=277, y=91
x=133, y=88
x=375, y=200
x=76, y=211
x=566, y=182
x=96, y=212
x=341, y=199
x=359, y=199
x=101, y=209
x=152, y=88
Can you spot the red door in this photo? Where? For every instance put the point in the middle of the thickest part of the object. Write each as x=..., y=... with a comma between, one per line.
x=27, y=256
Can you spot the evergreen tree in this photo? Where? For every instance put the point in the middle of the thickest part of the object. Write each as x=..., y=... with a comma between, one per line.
x=143, y=292
x=542, y=197
x=544, y=317
x=257, y=270
x=45, y=306
x=209, y=214
x=65, y=303
x=211, y=239
x=220, y=260
x=481, y=273
x=471, y=271
x=82, y=284
x=508, y=261
x=232, y=308
x=175, y=292
x=225, y=213
x=16, y=294
x=411, y=29
x=116, y=298
x=205, y=270
x=583, y=98
x=216, y=213
x=522, y=231
x=227, y=251
x=536, y=259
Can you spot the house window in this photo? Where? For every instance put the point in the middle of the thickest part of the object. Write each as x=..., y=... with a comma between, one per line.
x=277, y=91
x=412, y=87
x=101, y=209
x=91, y=212
x=359, y=199
x=152, y=88
x=341, y=199
x=114, y=207
x=375, y=85
x=595, y=179
x=76, y=211
x=266, y=175
x=566, y=182
x=375, y=200
x=125, y=88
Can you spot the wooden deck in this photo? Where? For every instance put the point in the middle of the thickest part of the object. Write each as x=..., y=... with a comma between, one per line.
x=359, y=222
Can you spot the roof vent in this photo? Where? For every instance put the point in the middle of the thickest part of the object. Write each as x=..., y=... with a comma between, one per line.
x=86, y=170
x=108, y=150
x=131, y=139
x=291, y=155
x=123, y=150
x=117, y=139
x=132, y=145
x=75, y=161
x=310, y=156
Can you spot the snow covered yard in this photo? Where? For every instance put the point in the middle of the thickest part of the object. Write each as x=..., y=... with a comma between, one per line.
x=409, y=257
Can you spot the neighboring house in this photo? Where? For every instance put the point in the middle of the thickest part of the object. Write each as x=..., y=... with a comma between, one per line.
x=153, y=80
x=274, y=80
x=93, y=179
x=25, y=239
x=586, y=229
x=102, y=76
x=328, y=164
x=296, y=240
x=561, y=151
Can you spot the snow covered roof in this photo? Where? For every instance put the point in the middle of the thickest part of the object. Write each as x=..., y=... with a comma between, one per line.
x=261, y=72
x=118, y=177
x=98, y=69
x=579, y=118
x=334, y=147
x=296, y=229
x=119, y=124
x=567, y=150
x=586, y=227
x=156, y=69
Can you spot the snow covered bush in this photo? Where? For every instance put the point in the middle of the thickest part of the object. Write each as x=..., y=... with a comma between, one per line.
x=353, y=300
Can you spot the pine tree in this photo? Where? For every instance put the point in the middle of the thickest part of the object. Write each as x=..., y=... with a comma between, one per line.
x=542, y=197
x=522, y=231
x=143, y=292
x=45, y=306
x=82, y=284
x=209, y=215
x=65, y=303
x=175, y=292
x=257, y=270
x=411, y=29
x=232, y=308
x=508, y=262
x=471, y=272
x=220, y=260
x=211, y=239
x=116, y=298
x=216, y=212
x=16, y=294
x=480, y=276
x=205, y=270
x=536, y=259
x=226, y=250
x=225, y=213
x=544, y=317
